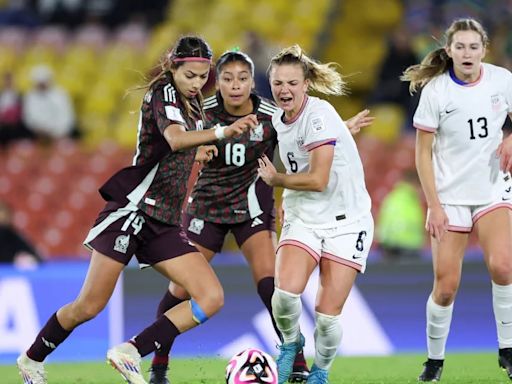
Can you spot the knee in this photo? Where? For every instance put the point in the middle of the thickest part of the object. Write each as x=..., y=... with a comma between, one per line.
x=500, y=269
x=444, y=292
x=213, y=300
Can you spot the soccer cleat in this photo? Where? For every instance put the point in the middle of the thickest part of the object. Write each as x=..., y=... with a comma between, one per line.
x=32, y=372
x=300, y=370
x=158, y=374
x=432, y=370
x=126, y=360
x=318, y=376
x=287, y=357
x=505, y=360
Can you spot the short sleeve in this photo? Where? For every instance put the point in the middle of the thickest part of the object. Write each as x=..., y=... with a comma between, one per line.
x=427, y=113
x=166, y=105
x=322, y=127
x=508, y=91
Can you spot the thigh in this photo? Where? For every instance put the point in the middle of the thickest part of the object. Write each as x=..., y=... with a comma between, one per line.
x=260, y=252
x=336, y=281
x=298, y=253
x=447, y=256
x=100, y=280
x=205, y=234
x=494, y=230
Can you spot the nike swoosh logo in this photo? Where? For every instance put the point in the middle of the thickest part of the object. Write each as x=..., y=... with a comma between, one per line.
x=450, y=111
x=356, y=257
x=505, y=199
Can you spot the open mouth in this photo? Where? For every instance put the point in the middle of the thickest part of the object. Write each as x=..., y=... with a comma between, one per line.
x=467, y=64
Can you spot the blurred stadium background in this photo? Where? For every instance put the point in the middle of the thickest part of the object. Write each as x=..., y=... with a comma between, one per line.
x=99, y=49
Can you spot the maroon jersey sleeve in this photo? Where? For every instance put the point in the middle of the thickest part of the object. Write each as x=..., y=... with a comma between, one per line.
x=166, y=106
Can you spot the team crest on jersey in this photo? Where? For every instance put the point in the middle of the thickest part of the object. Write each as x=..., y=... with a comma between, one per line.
x=300, y=141
x=496, y=102
x=121, y=243
x=257, y=133
x=196, y=226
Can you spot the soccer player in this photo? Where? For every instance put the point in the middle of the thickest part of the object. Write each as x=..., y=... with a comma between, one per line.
x=459, y=121
x=229, y=195
x=327, y=218
x=142, y=217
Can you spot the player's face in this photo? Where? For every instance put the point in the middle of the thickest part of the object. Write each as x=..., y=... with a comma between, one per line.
x=190, y=77
x=467, y=51
x=289, y=87
x=235, y=83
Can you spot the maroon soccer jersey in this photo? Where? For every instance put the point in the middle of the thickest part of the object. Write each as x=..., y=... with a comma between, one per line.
x=226, y=191
x=157, y=180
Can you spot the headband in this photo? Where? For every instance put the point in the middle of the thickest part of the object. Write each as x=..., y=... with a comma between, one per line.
x=192, y=58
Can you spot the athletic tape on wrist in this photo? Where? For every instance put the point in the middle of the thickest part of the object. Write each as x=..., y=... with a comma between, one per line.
x=219, y=132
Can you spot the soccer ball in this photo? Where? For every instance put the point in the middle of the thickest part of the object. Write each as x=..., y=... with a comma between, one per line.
x=251, y=366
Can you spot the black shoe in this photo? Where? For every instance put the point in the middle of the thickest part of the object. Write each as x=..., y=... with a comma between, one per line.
x=300, y=371
x=432, y=370
x=158, y=374
x=505, y=360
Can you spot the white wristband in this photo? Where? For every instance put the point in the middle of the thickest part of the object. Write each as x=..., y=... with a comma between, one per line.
x=219, y=132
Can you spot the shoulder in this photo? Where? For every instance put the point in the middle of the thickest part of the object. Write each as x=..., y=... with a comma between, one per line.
x=266, y=107
x=496, y=72
x=319, y=107
x=164, y=90
x=211, y=103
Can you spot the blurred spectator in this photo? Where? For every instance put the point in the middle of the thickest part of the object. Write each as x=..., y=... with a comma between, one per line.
x=261, y=52
x=401, y=222
x=400, y=55
x=47, y=109
x=11, y=126
x=14, y=249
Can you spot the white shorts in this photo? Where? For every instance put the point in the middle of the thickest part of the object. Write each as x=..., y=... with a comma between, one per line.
x=346, y=244
x=461, y=218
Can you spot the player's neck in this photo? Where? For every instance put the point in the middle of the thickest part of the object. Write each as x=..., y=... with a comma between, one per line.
x=240, y=110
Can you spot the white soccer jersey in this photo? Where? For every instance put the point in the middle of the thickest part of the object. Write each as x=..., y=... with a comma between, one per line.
x=467, y=122
x=345, y=199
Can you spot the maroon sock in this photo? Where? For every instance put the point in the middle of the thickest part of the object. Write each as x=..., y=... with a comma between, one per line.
x=48, y=339
x=169, y=301
x=266, y=290
x=160, y=334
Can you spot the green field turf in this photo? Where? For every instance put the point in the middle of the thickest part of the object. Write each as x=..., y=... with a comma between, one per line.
x=459, y=368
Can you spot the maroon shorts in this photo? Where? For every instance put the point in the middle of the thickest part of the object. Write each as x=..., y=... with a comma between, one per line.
x=211, y=235
x=123, y=231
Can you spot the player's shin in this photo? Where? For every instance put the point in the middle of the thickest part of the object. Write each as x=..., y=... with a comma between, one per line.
x=328, y=334
x=439, y=319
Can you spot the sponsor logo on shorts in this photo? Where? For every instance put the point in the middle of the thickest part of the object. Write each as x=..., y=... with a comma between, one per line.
x=121, y=243
x=196, y=226
x=256, y=222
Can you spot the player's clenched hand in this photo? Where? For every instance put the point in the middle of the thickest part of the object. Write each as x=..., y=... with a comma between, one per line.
x=267, y=171
x=241, y=125
x=504, y=152
x=205, y=153
x=437, y=222
x=361, y=120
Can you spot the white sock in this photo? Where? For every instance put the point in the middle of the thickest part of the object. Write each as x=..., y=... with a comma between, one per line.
x=438, y=326
x=328, y=335
x=286, y=308
x=502, y=305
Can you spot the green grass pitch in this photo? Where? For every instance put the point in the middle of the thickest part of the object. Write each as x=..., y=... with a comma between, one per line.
x=459, y=368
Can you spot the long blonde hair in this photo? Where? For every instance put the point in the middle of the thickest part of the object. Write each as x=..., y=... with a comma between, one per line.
x=437, y=61
x=323, y=78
